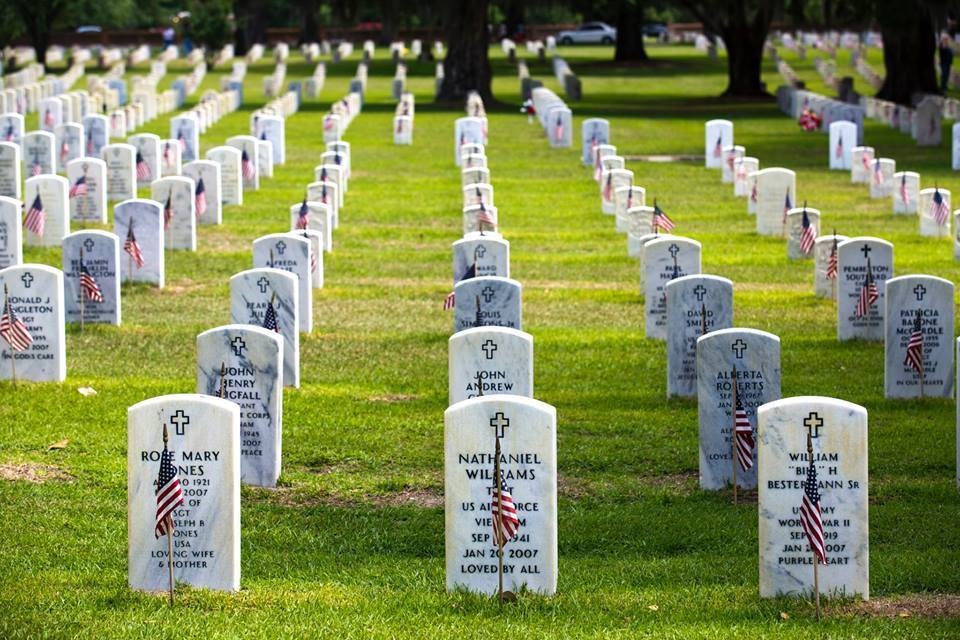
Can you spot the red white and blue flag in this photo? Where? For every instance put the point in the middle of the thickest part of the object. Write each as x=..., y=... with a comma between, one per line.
x=839, y=151
x=877, y=173
x=939, y=208
x=808, y=234
x=88, y=284
x=13, y=330
x=303, y=216
x=811, y=520
x=661, y=222
x=64, y=151
x=506, y=522
x=451, y=299
x=558, y=130
x=608, y=188
x=743, y=434
x=832, y=261
x=270, y=318
x=143, y=169
x=246, y=166
x=200, y=198
x=36, y=217
x=78, y=188
x=868, y=293
x=48, y=119
x=132, y=247
x=914, y=357
x=904, y=194
x=718, y=147
x=168, y=210
x=787, y=205
x=169, y=494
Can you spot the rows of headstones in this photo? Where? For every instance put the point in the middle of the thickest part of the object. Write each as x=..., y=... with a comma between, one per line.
x=554, y=116
x=88, y=289
x=230, y=432
x=499, y=443
x=750, y=437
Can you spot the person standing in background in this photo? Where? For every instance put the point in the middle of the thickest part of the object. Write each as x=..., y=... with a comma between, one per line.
x=946, y=61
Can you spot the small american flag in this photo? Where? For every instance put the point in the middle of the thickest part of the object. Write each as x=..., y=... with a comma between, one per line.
x=731, y=158
x=661, y=222
x=808, y=235
x=740, y=173
x=143, y=169
x=810, y=519
x=246, y=167
x=270, y=318
x=169, y=494
x=839, y=151
x=484, y=217
x=904, y=194
x=78, y=188
x=743, y=434
x=939, y=208
x=877, y=173
x=200, y=198
x=914, y=357
x=324, y=198
x=328, y=123
x=303, y=216
x=182, y=141
x=608, y=188
x=64, y=151
x=48, y=118
x=787, y=205
x=866, y=158
x=504, y=512
x=451, y=299
x=88, y=284
x=718, y=147
x=8, y=132
x=36, y=217
x=399, y=125
x=13, y=330
x=90, y=146
x=558, y=130
x=35, y=168
x=629, y=203
x=832, y=265
x=597, y=165
x=868, y=294
x=754, y=192
x=168, y=210
x=314, y=259
x=167, y=155
x=132, y=247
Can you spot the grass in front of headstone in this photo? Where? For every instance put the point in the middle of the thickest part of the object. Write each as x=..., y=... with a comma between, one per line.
x=352, y=541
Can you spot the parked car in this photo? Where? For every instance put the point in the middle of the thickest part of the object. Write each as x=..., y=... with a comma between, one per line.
x=655, y=30
x=589, y=33
x=89, y=28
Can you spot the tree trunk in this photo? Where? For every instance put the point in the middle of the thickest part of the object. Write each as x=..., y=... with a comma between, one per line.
x=630, y=32
x=251, y=24
x=514, y=16
x=309, y=23
x=744, y=61
x=909, y=48
x=389, y=18
x=467, y=65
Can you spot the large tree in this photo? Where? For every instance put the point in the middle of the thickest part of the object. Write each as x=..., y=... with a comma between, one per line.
x=743, y=25
x=909, y=48
x=466, y=66
x=251, y=20
x=630, y=32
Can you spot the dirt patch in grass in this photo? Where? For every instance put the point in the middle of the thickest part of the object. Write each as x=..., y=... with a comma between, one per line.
x=33, y=472
x=919, y=605
x=408, y=496
x=429, y=498
x=392, y=398
x=684, y=481
x=181, y=286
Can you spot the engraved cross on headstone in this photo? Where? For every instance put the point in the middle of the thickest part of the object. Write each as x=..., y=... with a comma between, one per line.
x=499, y=422
x=813, y=422
x=487, y=294
x=700, y=291
x=739, y=347
x=674, y=250
x=27, y=279
x=866, y=249
x=88, y=244
x=238, y=345
x=281, y=247
x=489, y=348
x=480, y=251
x=263, y=283
x=919, y=291
x=180, y=420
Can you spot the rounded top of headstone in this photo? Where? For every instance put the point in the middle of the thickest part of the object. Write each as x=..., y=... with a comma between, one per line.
x=800, y=210
x=88, y=160
x=143, y=136
x=722, y=334
x=268, y=271
x=596, y=121
x=86, y=233
x=313, y=204
x=172, y=180
x=125, y=146
x=295, y=236
x=908, y=174
x=464, y=334
x=932, y=190
x=201, y=163
x=47, y=177
x=777, y=171
x=155, y=402
x=480, y=280
x=502, y=399
x=137, y=201
x=748, y=159
x=831, y=238
x=666, y=239
x=800, y=401
x=735, y=147
x=476, y=235
x=698, y=277
x=38, y=133
x=469, y=119
x=718, y=121
x=869, y=239
x=266, y=334
x=863, y=148
x=913, y=277
x=221, y=148
x=642, y=209
x=242, y=138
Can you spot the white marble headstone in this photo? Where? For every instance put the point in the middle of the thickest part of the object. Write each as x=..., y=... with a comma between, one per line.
x=843, y=138
x=853, y=256
x=501, y=357
x=593, y=131
x=207, y=172
x=490, y=253
x=69, y=143
x=87, y=192
x=10, y=170
x=796, y=231
x=11, y=241
x=694, y=303
x=52, y=190
x=776, y=194
x=148, y=157
x=665, y=259
x=487, y=301
x=743, y=167
x=140, y=222
x=756, y=357
x=528, y=448
x=289, y=252
x=252, y=360
x=231, y=180
x=204, y=438
x=839, y=438
x=251, y=291
x=170, y=159
x=466, y=131
x=186, y=131
x=100, y=252
x=823, y=247
x=96, y=129
x=38, y=153
x=718, y=134
x=861, y=165
x=927, y=211
x=932, y=299
x=36, y=296
x=180, y=219
x=121, y=171
x=906, y=192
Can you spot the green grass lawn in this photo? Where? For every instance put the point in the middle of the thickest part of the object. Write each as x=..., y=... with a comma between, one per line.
x=351, y=542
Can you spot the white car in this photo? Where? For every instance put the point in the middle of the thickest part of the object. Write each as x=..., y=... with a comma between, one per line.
x=589, y=33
